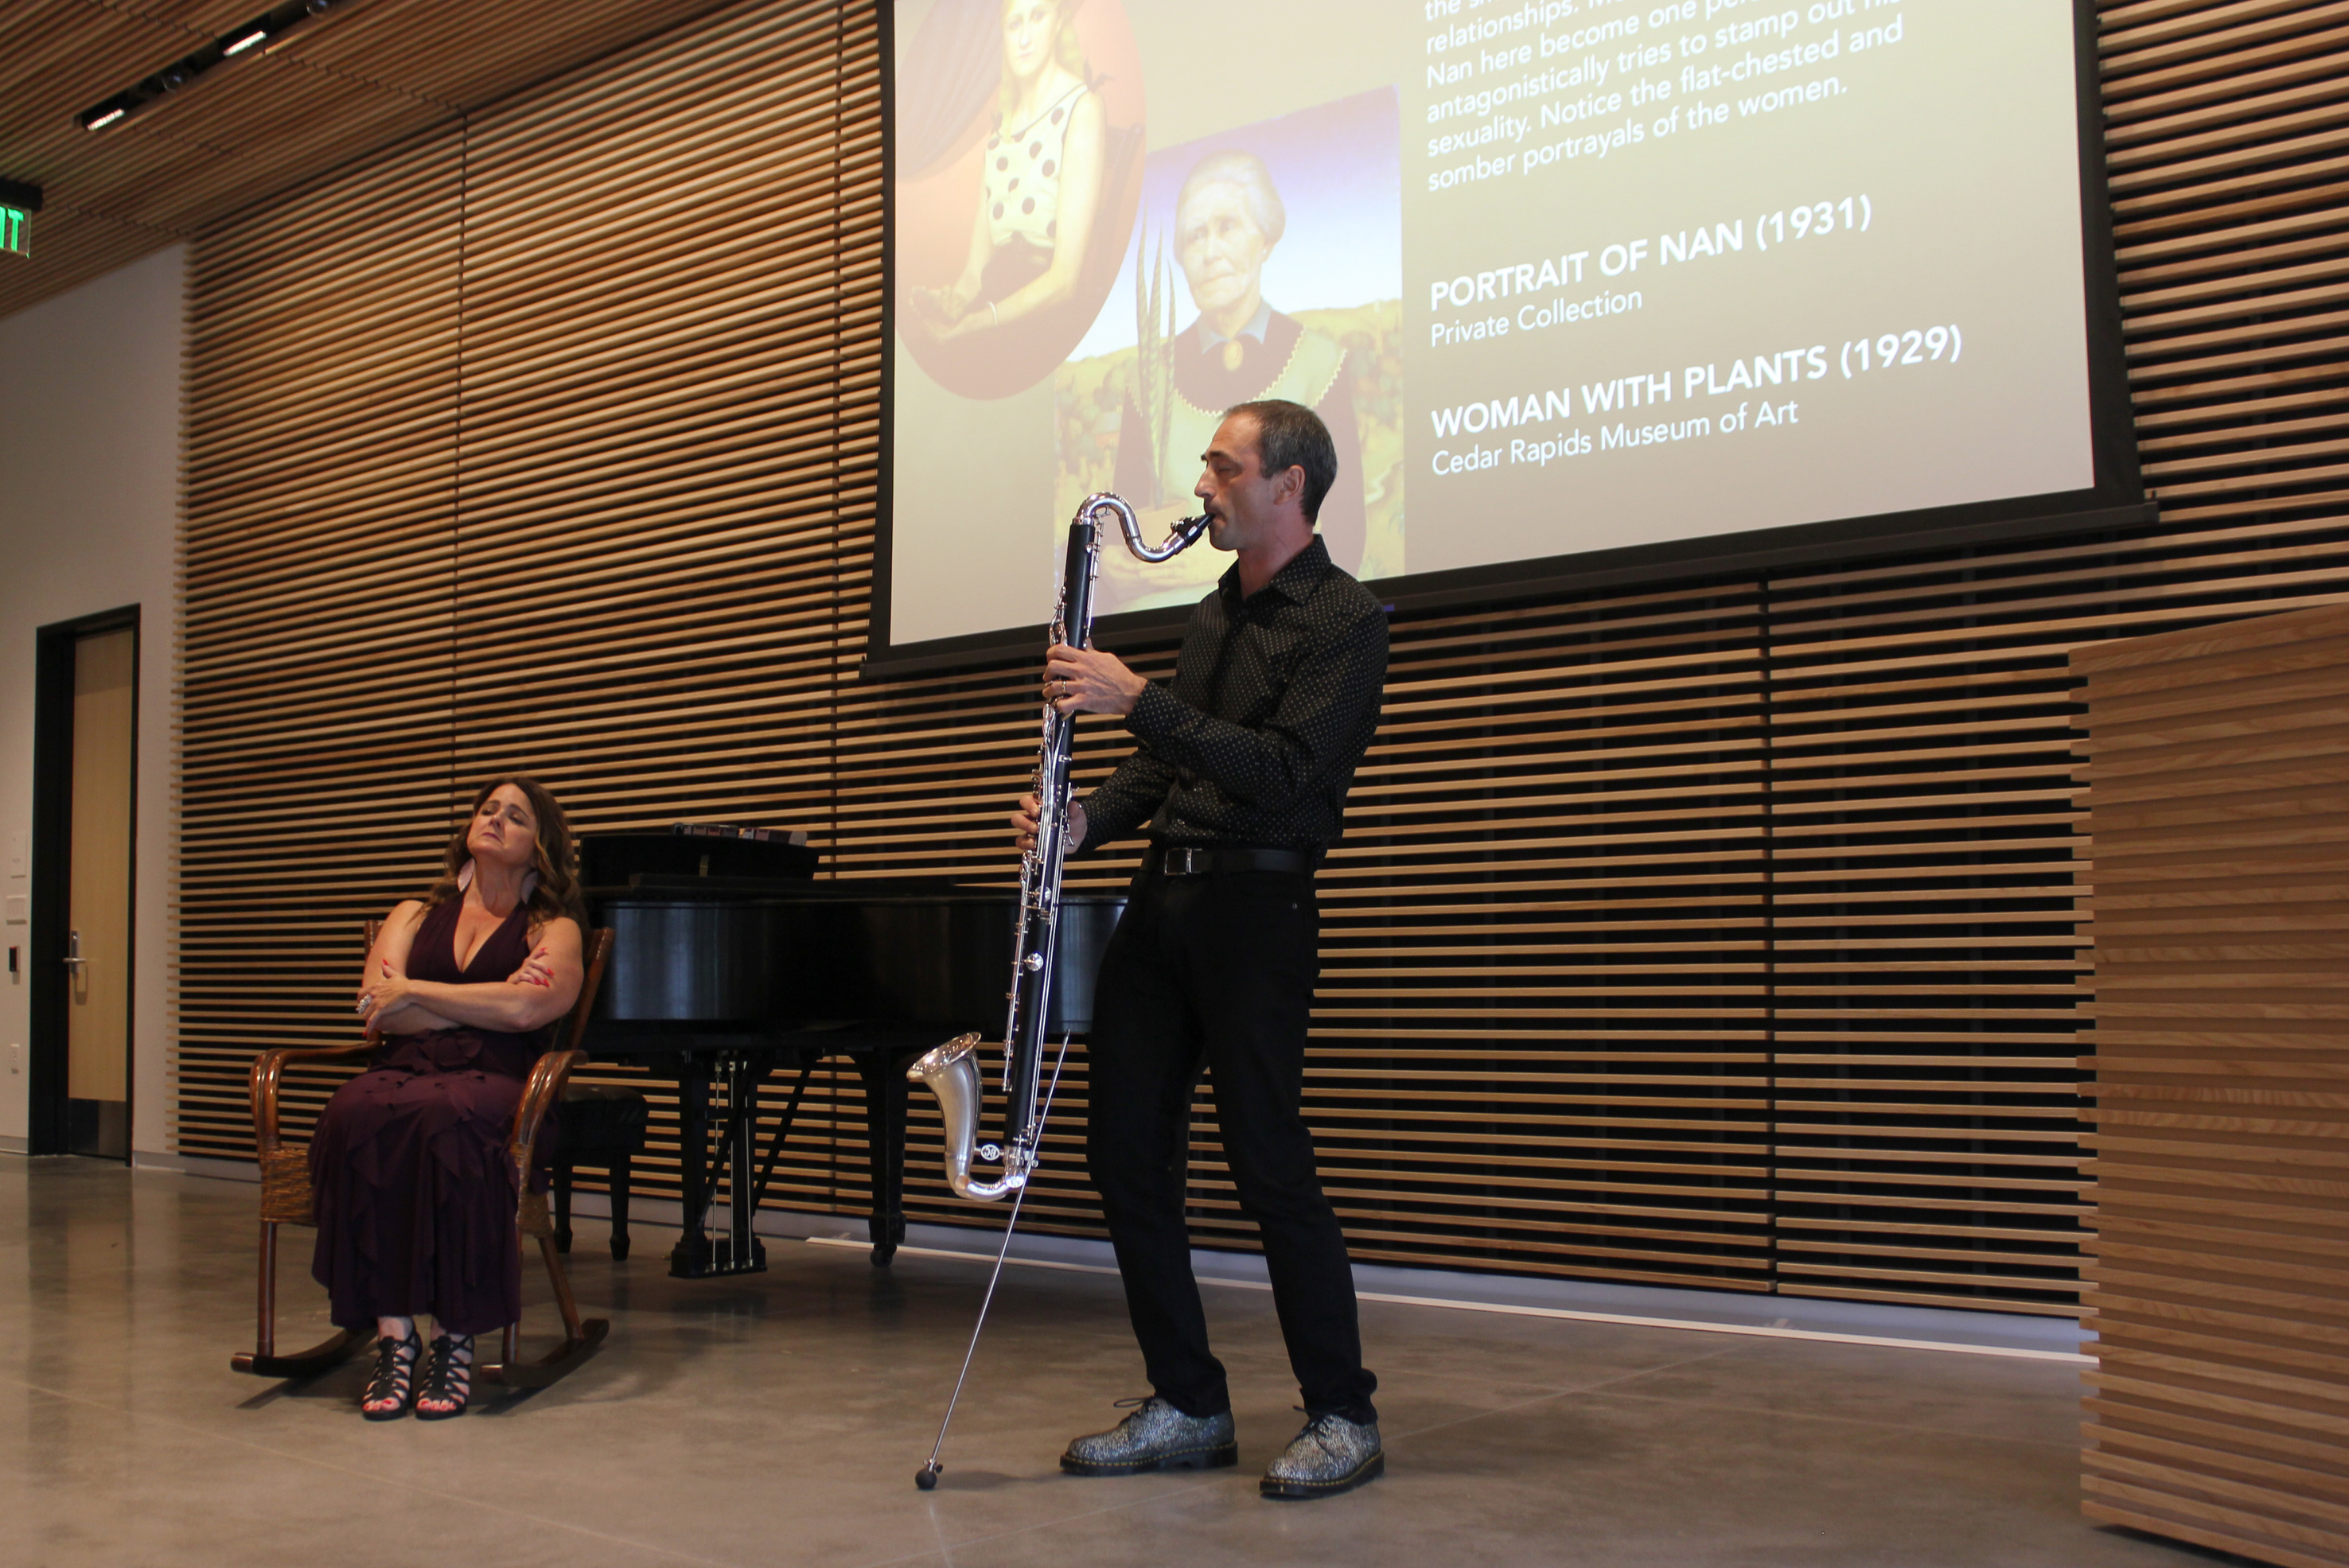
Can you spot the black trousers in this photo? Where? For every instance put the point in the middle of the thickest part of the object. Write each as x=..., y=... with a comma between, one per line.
x=1217, y=972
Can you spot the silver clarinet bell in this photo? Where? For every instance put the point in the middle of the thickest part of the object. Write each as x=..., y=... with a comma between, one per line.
x=951, y=1073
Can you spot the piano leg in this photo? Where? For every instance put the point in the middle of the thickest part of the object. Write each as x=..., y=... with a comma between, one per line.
x=690, y=1259
x=699, y=1255
x=885, y=1116
x=745, y=1253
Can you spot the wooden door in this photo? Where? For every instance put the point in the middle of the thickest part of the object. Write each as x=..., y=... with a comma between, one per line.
x=97, y=941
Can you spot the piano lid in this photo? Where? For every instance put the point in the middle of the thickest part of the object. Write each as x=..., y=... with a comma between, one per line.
x=903, y=953
x=618, y=860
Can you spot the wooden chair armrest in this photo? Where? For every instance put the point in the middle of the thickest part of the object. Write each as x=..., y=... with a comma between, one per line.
x=547, y=1076
x=269, y=1068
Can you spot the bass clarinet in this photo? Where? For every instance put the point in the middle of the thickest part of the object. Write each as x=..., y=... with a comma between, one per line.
x=951, y=1072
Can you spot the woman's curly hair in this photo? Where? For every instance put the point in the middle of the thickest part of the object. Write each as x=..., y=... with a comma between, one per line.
x=555, y=857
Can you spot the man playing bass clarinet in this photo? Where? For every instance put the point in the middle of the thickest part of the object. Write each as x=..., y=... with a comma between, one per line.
x=1240, y=781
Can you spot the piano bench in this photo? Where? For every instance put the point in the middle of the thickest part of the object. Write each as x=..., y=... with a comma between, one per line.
x=600, y=1125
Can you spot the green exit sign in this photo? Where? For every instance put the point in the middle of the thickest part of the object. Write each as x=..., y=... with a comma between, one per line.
x=18, y=202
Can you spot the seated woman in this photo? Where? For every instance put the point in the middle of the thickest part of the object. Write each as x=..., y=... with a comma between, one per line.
x=1040, y=187
x=416, y=1193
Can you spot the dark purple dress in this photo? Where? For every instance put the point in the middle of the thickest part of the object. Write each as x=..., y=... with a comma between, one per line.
x=415, y=1193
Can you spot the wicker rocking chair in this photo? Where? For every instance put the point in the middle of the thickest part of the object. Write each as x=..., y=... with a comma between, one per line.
x=286, y=1199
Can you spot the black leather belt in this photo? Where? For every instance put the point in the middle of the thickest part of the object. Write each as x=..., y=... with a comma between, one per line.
x=1175, y=861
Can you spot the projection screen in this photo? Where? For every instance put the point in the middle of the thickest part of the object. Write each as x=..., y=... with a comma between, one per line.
x=1575, y=283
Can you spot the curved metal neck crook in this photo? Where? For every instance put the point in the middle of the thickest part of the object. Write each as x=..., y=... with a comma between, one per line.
x=1186, y=529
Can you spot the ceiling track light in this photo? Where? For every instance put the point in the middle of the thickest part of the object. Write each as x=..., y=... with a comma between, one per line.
x=237, y=43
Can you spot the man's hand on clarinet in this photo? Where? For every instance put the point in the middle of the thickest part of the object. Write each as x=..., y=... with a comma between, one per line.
x=1023, y=822
x=1086, y=680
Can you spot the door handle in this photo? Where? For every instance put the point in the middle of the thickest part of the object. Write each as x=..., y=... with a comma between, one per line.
x=73, y=959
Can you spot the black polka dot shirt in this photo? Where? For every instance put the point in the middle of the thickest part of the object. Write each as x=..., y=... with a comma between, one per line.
x=1255, y=741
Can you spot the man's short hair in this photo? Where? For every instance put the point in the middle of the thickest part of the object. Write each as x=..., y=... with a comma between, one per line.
x=1248, y=171
x=1292, y=436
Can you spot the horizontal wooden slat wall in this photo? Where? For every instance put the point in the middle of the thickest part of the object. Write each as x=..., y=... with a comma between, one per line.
x=1924, y=957
x=2215, y=767
x=2219, y=1406
x=1542, y=1031
x=1722, y=933
x=320, y=391
x=667, y=428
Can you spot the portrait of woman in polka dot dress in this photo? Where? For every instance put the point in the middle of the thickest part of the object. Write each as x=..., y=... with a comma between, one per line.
x=1041, y=183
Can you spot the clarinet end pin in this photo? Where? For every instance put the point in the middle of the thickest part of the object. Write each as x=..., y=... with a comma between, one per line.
x=927, y=1478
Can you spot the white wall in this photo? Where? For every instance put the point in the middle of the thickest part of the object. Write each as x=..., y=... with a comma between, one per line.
x=89, y=510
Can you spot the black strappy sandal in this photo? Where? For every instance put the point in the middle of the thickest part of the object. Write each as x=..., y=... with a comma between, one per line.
x=395, y=1377
x=447, y=1379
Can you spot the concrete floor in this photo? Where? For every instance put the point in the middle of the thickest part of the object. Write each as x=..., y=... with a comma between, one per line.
x=780, y=1420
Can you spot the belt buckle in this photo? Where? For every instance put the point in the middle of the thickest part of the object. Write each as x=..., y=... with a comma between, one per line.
x=1184, y=862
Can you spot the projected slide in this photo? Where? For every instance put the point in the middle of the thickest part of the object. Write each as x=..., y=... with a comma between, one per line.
x=1561, y=275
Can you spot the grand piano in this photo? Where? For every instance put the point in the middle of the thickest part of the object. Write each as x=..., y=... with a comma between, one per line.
x=721, y=982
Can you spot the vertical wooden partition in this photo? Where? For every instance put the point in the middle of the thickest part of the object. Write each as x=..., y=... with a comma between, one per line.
x=2218, y=796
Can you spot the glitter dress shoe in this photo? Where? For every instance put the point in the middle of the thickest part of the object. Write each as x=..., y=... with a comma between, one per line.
x=1331, y=1455
x=1156, y=1436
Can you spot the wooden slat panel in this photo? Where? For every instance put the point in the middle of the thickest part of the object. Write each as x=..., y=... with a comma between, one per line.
x=316, y=710
x=402, y=569
x=2221, y=1404
x=668, y=411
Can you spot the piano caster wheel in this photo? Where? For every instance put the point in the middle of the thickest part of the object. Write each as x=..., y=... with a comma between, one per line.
x=927, y=1478
x=881, y=1257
